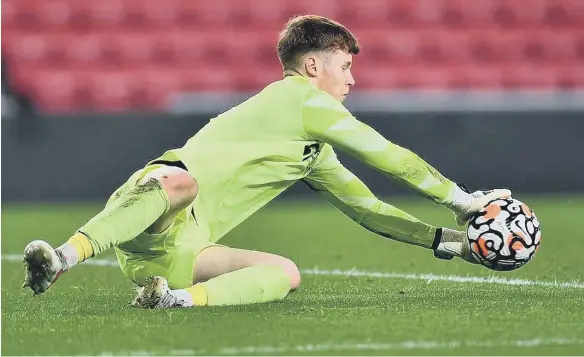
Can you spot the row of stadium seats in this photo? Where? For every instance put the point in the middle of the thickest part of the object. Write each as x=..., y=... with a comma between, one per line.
x=66, y=53
x=258, y=13
x=379, y=47
x=151, y=89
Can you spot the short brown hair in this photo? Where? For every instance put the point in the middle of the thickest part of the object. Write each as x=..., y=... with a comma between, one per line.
x=312, y=33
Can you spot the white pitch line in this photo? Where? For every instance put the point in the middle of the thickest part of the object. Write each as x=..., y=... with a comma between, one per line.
x=367, y=346
x=429, y=278
x=451, y=278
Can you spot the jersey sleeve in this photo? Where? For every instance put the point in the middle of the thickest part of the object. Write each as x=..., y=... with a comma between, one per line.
x=327, y=120
x=347, y=193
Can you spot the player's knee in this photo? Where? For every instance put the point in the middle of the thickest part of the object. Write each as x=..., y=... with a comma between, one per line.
x=180, y=186
x=292, y=272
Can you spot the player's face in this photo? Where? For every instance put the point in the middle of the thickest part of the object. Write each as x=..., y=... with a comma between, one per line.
x=336, y=78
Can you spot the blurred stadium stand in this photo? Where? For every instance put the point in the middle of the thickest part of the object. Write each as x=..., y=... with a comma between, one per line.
x=121, y=55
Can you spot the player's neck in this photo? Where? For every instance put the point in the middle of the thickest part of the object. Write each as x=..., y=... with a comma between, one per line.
x=293, y=72
x=297, y=73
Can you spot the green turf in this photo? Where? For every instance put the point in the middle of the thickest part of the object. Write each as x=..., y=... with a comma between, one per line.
x=87, y=312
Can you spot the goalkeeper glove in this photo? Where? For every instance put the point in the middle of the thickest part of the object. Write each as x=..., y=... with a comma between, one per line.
x=464, y=203
x=449, y=243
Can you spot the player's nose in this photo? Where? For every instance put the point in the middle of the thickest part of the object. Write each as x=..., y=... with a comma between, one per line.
x=350, y=80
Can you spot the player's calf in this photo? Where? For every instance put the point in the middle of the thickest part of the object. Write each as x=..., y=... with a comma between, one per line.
x=215, y=261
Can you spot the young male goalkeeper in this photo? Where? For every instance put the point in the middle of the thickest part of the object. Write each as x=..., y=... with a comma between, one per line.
x=164, y=222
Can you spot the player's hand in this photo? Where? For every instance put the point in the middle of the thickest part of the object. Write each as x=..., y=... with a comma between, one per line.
x=465, y=204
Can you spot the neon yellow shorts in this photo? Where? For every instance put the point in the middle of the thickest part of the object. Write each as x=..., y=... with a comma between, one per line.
x=171, y=253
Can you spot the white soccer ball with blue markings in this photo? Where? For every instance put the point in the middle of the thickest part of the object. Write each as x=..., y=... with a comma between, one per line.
x=504, y=235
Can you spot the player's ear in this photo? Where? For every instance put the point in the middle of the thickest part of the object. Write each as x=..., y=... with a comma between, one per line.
x=311, y=66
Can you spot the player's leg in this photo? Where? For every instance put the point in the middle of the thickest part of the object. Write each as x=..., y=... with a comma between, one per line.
x=229, y=276
x=147, y=202
x=219, y=260
x=226, y=276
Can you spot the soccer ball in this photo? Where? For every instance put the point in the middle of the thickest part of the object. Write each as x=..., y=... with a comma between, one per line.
x=504, y=235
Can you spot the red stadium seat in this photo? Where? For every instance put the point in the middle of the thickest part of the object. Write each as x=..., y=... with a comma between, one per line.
x=106, y=14
x=150, y=49
x=85, y=50
x=328, y=8
x=53, y=90
x=268, y=13
x=23, y=14
x=9, y=15
x=23, y=76
x=189, y=50
x=38, y=48
x=152, y=13
x=571, y=77
x=517, y=76
x=476, y=77
x=488, y=46
x=565, y=13
x=465, y=14
x=429, y=78
x=111, y=90
x=206, y=78
x=54, y=14
x=508, y=13
x=249, y=46
x=388, y=78
x=157, y=86
x=563, y=46
x=135, y=48
x=196, y=14
x=81, y=17
x=381, y=47
x=377, y=14
x=255, y=78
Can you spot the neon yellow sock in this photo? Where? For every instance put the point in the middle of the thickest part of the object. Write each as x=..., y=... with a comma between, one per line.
x=82, y=245
x=249, y=285
x=76, y=250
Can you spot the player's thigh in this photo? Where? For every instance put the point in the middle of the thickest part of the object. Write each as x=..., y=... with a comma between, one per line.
x=218, y=260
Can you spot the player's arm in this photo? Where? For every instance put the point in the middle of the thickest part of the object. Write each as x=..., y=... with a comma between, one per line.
x=327, y=120
x=341, y=188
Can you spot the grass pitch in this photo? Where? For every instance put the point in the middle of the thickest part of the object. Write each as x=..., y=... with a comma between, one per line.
x=386, y=306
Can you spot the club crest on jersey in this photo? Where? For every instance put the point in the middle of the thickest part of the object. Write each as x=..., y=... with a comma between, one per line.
x=311, y=152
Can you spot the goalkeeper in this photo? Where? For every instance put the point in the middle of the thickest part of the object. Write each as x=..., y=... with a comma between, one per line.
x=165, y=220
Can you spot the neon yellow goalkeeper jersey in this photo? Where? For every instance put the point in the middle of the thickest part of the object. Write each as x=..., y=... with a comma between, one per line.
x=245, y=157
